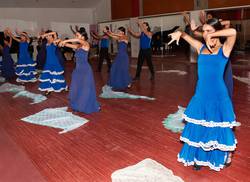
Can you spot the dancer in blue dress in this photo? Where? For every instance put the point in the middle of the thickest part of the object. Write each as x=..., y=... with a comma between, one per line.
x=228, y=73
x=82, y=93
x=119, y=77
x=25, y=68
x=52, y=79
x=208, y=137
x=8, y=69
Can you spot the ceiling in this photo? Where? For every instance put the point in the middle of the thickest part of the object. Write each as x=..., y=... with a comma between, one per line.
x=49, y=3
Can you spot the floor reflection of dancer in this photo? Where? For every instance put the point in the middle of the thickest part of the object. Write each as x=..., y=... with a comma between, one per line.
x=52, y=79
x=119, y=77
x=145, y=52
x=82, y=93
x=25, y=68
x=104, y=49
x=208, y=137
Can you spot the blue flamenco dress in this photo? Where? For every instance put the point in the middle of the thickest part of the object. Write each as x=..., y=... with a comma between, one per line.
x=25, y=68
x=82, y=92
x=8, y=69
x=52, y=79
x=119, y=74
x=208, y=137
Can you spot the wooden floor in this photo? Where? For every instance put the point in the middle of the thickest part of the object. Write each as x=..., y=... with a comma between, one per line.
x=125, y=131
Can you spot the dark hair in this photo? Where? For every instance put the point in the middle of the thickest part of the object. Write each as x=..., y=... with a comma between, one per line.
x=122, y=29
x=107, y=28
x=216, y=24
x=146, y=23
x=49, y=31
x=6, y=38
x=83, y=33
x=211, y=13
x=82, y=29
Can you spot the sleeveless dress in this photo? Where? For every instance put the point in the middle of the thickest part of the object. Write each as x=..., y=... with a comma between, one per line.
x=119, y=74
x=208, y=137
x=25, y=68
x=52, y=78
x=8, y=70
x=82, y=93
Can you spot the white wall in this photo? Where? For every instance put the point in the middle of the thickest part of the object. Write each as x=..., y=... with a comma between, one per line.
x=44, y=16
x=102, y=12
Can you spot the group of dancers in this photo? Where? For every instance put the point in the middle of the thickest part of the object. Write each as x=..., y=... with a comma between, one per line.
x=208, y=136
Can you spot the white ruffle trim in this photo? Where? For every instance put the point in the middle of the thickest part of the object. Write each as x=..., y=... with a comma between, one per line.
x=51, y=89
x=25, y=65
x=52, y=81
x=53, y=72
x=26, y=74
x=200, y=163
x=211, y=145
x=20, y=80
x=224, y=124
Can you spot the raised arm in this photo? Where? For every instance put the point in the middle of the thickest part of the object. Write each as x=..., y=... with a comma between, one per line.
x=12, y=36
x=134, y=34
x=112, y=35
x=148, y=33
x=225, y=23
x=179, y=34
x=230, y=34
x=71, y=28
x=68, y=43
x=48, y=34
x=95, y=36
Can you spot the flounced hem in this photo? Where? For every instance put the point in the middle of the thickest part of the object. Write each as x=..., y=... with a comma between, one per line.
x=52, y=89
x=20, y=80
x=52, y=81
x=211, y=145
x=26, y=74
x=224, y=124
x=25, y=65
x=200, y=163
x=53, y=72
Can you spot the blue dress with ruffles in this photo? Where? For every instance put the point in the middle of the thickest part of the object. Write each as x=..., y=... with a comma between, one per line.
x=25, y=68
x=208, y=137
x=52, y=79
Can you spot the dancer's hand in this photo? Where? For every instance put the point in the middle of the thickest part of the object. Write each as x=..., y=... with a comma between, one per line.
x=193, y=25
x=209, y=42
x=61, y=44
x=175, y=37
x=186, y=17
x=202, y=17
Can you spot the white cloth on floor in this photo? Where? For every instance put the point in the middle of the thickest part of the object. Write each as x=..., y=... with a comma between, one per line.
x=242, y=79
x=174, y=122
x=107, y=92
x=20, y=91
x=56, y=118
x=8, y=87
x=37, y=98
x=179, y=72
x=147, y=170
x=2, y=79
